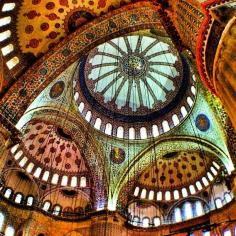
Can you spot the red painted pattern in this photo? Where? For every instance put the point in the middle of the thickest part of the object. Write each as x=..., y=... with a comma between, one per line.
x=200, y=42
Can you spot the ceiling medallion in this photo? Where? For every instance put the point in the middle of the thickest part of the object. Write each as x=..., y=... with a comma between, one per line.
x=57, y=89
x=133, y=66
x=202, y=122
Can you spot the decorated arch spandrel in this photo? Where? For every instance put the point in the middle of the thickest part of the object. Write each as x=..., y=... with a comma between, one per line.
x=160, y=148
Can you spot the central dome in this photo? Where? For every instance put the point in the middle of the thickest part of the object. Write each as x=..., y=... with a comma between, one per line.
x=131, y=79
x=133, y=75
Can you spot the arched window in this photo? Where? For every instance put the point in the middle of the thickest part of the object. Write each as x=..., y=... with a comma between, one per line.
x=209, y=175
x=213, y=170
x=88, y=116
x=55, y=178
x=184, y=192
x=23, y=161
x=76, y=96
x=8, y=6
x=2, y=219
x=143, y=193
x=190, y=101
x=108, y=129
x=218, y=203
x=151, y=195
x=227, y=232
x=29, y=201
x=176, y=194
x=199, y=208
x=136, y=220
x=120, y=132
x=8, y=193
x=175, y=120
x=188, y=211
x=14, y=148
x=183, y=111
x=37, y=172
x=30, y=167
x=216, y=165
x=156, y=221
x=167, y=196
x=155, y=131
x=228, y=197
x=159, y=196
x=199, y=185
x=5, y=20
x=9, y=231
x=7, y=49
x=193, y=90
x=18, y=154
x=146, y=222
x=73, y=181
x=131, y=133
x=192, y=189
x=81, y=107
x=143, y=133
x=64, y=180
x=205, y=181
x=177, y=214
x=83, y=182
x=46, y=206
x=5, y=35
x=12, y=62
x=56, y=210
x=136, y=191
x=206, y=233
x=98, y=123
x=165, y=126
x=18, y=198
x=45, y=175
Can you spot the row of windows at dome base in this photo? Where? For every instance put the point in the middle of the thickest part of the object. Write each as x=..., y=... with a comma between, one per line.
x=185, y=211
x=175, y=195
x=5, y=227
x=190, y=210
x=7, y=49
x=18, y=197
x=226, y=232
x=57, y=210
x=146, y=222
x=46, y=175
x=143, y=132
x=30, y=201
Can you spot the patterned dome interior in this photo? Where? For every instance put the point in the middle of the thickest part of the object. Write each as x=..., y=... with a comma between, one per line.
x=103, y=111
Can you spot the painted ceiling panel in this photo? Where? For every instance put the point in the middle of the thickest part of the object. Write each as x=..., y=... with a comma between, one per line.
x=41, y=24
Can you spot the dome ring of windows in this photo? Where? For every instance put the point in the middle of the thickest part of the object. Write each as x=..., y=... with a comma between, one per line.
x=48, y=153
x=134, y=87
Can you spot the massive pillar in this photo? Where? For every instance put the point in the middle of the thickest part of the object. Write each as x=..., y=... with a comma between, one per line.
x=224, y=70
x=208, y=29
